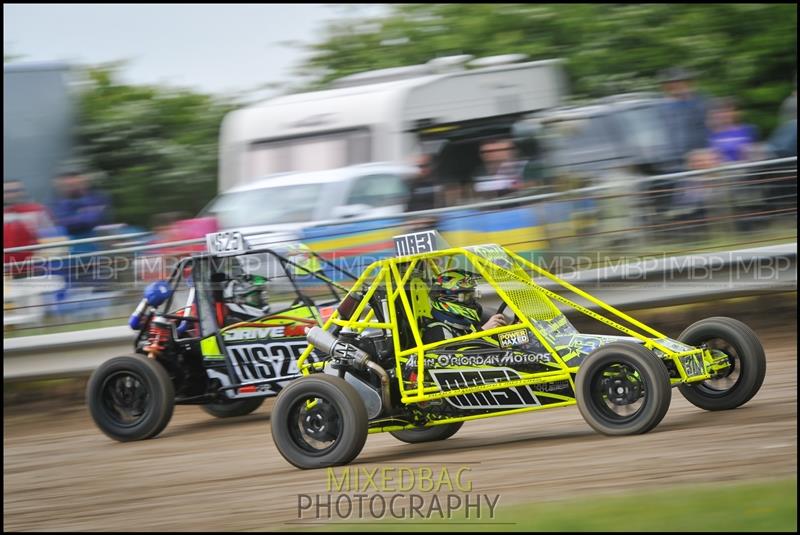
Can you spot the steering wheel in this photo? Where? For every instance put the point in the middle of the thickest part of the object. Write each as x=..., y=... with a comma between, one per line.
x=502, y=308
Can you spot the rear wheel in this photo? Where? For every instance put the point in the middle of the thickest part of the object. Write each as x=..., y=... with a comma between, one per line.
x=130, y=398
x=237, y=407
x=748, y=365
x=623, y=389
x=427, y=434
x=319, y=421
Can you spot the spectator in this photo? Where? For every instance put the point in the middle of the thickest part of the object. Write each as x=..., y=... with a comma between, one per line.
x=529, y=148
x=783, y=141
x=697, y=191
x=684, y=115
x=501, y=172
x=34, y=215
x=425, y=192
x=23, y=221
x=789, y=107
x=79, y=208
x=730, y=139
x=455, y=162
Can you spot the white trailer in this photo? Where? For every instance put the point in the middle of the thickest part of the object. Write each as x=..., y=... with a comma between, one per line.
x=383, y=115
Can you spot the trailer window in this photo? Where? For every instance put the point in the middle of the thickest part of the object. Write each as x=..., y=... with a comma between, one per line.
x=308, y=153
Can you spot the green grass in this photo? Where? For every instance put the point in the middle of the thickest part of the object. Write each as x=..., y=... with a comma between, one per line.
x=746, y=507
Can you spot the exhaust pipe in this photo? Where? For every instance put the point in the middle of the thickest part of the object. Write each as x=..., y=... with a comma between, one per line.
x=336, y=348
x=350, y=354
x=387, y=402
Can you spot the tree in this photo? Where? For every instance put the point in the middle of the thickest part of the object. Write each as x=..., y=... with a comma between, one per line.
x=742, y=50
x=155, y=147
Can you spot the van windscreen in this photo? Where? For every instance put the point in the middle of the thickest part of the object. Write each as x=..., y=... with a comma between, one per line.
x=266, y=206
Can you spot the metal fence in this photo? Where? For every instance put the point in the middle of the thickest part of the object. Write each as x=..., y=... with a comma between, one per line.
x=619, y=216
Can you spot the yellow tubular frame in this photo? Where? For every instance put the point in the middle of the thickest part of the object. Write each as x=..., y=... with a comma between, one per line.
x=388, y=273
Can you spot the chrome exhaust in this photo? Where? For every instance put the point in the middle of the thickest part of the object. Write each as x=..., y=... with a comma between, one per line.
x=348, y=354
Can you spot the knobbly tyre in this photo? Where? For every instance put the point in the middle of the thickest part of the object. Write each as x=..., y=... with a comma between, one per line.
x=224, y=332
x=381, y=371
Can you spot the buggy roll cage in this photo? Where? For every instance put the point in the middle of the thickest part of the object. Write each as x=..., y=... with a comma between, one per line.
x=530, y=302
x=204, y=266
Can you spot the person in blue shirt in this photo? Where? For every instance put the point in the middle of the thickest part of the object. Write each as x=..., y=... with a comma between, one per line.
x=80, y=208
x=729, y=138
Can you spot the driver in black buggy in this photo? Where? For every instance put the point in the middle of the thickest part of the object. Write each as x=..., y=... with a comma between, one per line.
x=238, y=295
x=455, y=308
x=245, y=298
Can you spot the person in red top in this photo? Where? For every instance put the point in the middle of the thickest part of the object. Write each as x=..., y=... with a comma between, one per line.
x=22, y=221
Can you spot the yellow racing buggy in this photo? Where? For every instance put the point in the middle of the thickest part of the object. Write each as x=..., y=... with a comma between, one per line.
x=388, y=360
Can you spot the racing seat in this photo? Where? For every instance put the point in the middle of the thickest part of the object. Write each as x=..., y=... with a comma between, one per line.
x=218, y=298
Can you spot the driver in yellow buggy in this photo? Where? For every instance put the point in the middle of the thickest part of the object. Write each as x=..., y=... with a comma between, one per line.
x=455, y=309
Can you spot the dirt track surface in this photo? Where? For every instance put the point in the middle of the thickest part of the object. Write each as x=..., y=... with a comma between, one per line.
x=61, y=473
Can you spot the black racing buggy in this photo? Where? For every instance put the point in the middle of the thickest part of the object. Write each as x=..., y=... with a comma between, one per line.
x=224, y=332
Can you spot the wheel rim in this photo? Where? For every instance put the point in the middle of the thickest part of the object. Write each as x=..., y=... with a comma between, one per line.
x=618, y=391
x=731, y=377
x=125, y=398
x=315, y=425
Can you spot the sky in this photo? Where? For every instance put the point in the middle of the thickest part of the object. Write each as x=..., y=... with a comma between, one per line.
x=213, y=48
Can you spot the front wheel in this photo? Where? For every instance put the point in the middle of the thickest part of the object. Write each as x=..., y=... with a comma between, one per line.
x=130, y=398
x=747, y=364
x=230, y=409
x=623, y=389
x=427, y=434
x=319, y=421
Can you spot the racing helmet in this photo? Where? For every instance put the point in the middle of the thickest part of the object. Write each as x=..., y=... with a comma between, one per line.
x=251, y=290
x=453, y=298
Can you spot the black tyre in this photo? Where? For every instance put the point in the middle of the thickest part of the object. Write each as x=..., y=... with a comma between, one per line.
x=742, y=379
x=319, y=421
x=130, y=398
x=237, y=407
x=623, y=389
x=427, y=434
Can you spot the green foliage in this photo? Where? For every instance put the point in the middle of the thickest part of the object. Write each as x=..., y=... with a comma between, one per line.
x=156, y=147
x=752, y=506
x=742, y=50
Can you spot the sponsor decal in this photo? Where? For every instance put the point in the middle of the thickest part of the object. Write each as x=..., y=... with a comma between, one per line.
x=493, y=253
x=506, y=358
x=254, y=333
x=555, y=386
x=514, y=338
x=507, y=398
x=554, y=328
